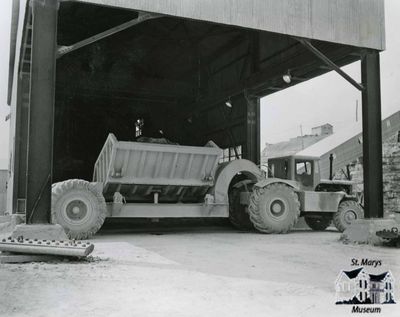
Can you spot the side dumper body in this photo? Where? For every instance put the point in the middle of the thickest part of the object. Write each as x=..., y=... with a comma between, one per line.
x=139, y=170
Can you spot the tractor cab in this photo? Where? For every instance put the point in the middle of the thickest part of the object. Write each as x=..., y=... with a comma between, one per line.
x=302, y=169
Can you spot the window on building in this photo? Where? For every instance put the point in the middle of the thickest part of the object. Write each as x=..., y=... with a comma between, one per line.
x=360, y=283
x=361, y=297
x=365, y=283
x=230, y=155
x=139, y=123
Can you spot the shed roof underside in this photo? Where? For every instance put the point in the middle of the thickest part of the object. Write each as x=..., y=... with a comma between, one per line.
x=176, y=71
x=352, y=22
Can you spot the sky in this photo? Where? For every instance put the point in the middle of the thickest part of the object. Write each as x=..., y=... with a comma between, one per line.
x=326, y=99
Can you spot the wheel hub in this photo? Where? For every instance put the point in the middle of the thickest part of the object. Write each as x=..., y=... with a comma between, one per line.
x=76, y=210
x=350, y=216
x=277, y=207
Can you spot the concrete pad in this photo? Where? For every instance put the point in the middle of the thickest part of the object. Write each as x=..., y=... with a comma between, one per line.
x=17, y=219
x=193, y=272
x=8, y=223
x=6, y=218
x=5, y=227
x=42, y=232
x=25, y=258
x=363, y=231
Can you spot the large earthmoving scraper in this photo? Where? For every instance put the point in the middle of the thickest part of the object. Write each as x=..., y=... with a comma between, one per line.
x=149, y=180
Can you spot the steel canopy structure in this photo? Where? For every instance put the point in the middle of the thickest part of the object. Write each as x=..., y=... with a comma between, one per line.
x=82, y=69
x=351, y=22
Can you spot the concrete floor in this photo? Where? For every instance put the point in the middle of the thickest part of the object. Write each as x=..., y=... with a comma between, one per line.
x=193, y=271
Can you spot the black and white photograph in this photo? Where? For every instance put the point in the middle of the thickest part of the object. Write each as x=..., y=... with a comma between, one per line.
x=199, y=158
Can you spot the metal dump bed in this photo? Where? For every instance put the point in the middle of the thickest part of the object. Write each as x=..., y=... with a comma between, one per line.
x=138, y=169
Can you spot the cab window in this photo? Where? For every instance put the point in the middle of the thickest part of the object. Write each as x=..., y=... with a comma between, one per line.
x=304, y=172
x=303, y=168
x=278, y=169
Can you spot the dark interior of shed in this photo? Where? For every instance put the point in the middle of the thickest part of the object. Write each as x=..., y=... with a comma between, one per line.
x=168, y=77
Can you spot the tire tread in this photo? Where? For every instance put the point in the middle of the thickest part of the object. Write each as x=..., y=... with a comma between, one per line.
x=255, y=212
x=59, y=189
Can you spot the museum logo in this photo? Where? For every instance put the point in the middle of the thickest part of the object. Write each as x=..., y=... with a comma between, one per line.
x=357, y=287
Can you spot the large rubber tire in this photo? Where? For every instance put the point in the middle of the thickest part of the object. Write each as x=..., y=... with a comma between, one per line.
x=348, y=211
x=239, y=214
x=318, y=223
x=79, y=207
x=274, y=208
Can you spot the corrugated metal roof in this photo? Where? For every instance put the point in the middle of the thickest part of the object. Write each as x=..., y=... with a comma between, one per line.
x=346, y=144
x=290, y=147
x=332, y=141
x=353, y=22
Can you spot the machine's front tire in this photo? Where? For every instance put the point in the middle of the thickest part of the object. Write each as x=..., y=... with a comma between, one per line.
x=79, y=207
x=274, y=208
x=238, y=213
x=348, y=211
x=318, y=223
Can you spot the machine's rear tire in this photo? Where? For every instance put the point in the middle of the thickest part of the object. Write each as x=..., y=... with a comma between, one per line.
x=238, y=213
x=348, y=211
x=318, y=223
x=274, y=208
x=79, y=207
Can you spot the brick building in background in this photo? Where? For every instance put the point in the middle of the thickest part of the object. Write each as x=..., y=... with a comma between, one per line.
x=391, y=175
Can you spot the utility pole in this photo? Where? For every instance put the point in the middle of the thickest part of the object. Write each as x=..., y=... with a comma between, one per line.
x=302, y=140
x=356, y=110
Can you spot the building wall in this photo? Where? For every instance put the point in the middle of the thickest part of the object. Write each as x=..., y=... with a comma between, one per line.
x=391, y=178
x=391, y=172
x=323, y=129
x=351, y=150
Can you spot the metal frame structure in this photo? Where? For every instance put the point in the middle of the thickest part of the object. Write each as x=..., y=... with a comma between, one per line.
x=372, y=125
x=41, y=110
x=330, y=64
x=33, y=155
x=70, y=48
x=372, y=135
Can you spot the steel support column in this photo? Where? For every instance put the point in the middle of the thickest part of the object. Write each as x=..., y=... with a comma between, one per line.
x=41, y=111
x=21, y=145
x=372, y=135
x=252, y=145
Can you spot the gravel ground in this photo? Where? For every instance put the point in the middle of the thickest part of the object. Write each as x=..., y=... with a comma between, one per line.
x=193, y=271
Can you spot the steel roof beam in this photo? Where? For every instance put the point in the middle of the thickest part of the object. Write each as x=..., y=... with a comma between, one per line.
x=62, y=50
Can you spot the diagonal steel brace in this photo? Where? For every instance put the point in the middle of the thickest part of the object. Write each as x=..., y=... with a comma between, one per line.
x=307, y=44
x=62, y=50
